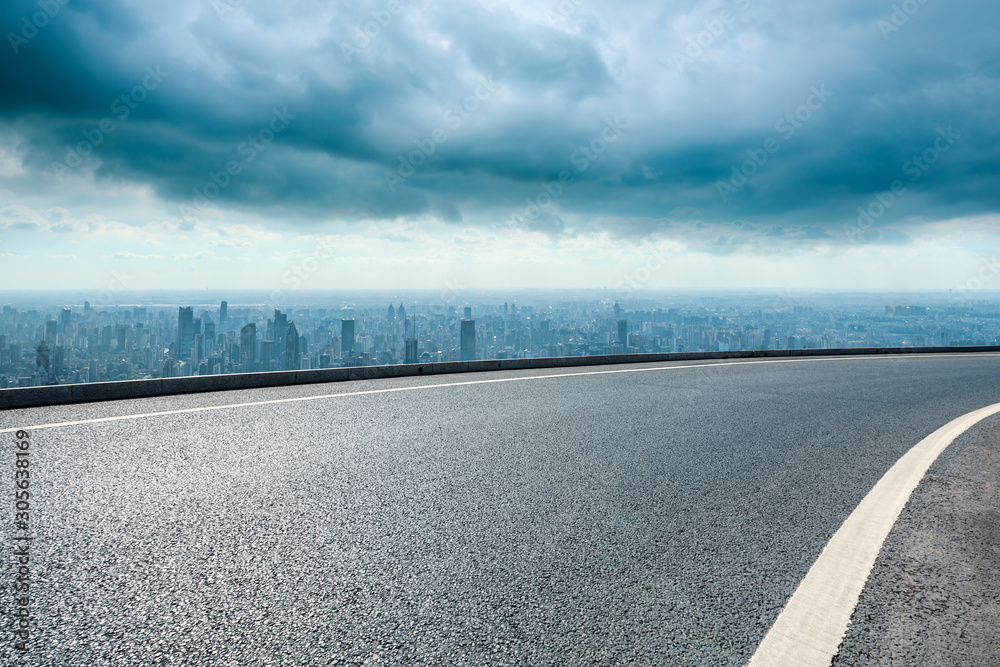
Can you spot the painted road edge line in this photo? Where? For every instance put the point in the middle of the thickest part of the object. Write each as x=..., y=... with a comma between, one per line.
x=810, y=628
x=441, y=385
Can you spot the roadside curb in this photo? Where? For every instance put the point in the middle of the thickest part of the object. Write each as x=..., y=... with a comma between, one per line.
x=25, y=397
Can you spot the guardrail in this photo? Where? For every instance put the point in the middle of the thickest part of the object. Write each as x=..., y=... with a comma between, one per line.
x=24, y=397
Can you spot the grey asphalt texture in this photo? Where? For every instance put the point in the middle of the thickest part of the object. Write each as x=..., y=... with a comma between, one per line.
x=652, y=518
x=933, y=597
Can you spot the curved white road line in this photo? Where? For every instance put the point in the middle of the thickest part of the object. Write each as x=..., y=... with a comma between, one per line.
x=441, y=385
x=809, y=630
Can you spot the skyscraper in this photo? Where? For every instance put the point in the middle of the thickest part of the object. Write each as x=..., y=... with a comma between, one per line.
x=623, y=332
x=280, y=331
x=293, y=358
x=468, y=340
x=58, y=355
x=51, y=332
x=223, y=313
x=248, y=346
x=269, y=355
x=347, y=338
x=468, y=312
x=209, y=330
x=392, y=313
x=185, y=332
x=42, y=358
x=410, y=350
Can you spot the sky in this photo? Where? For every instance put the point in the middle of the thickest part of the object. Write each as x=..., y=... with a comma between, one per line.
x=629, y=145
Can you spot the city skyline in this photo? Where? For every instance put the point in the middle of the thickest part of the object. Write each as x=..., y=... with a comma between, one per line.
x=42, y=343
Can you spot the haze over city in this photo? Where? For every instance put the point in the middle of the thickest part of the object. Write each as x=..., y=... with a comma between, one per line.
x=52, y=338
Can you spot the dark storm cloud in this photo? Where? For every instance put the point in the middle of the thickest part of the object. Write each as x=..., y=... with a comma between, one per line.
x=749, y=109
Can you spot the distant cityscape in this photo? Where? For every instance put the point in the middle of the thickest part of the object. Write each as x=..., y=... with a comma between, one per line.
x=42, y=343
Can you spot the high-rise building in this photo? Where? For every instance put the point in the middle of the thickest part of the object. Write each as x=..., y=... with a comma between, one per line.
x=468, y=312
x=58, y=363
x=122, y=336
x=468, y=340
x=65, y=318
x=248, y=346
x=392, y=313
x=209, y=329
x=411, y=351
x=51, y=331
x=623, y=332
x=293, y=358
x=42, y=358
x=185, y=332
x=280, y=331
x=401, y=312
x=347, y=338
x=269, y=355
x=223, y=313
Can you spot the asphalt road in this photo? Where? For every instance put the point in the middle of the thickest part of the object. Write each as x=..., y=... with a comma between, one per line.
x=659, y=517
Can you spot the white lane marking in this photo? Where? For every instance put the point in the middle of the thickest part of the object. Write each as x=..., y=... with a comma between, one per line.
x=809, y=630
x=209, y=408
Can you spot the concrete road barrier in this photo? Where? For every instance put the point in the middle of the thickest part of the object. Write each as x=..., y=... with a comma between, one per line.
x=24, y=397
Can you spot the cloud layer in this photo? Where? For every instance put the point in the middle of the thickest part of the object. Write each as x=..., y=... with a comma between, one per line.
x=726, y=126
x=466, y=108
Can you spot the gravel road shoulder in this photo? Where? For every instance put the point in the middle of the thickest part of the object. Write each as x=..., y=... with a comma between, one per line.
x=933, y=597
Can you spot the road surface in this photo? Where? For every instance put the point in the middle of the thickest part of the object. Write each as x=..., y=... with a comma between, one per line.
x=657, y=514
